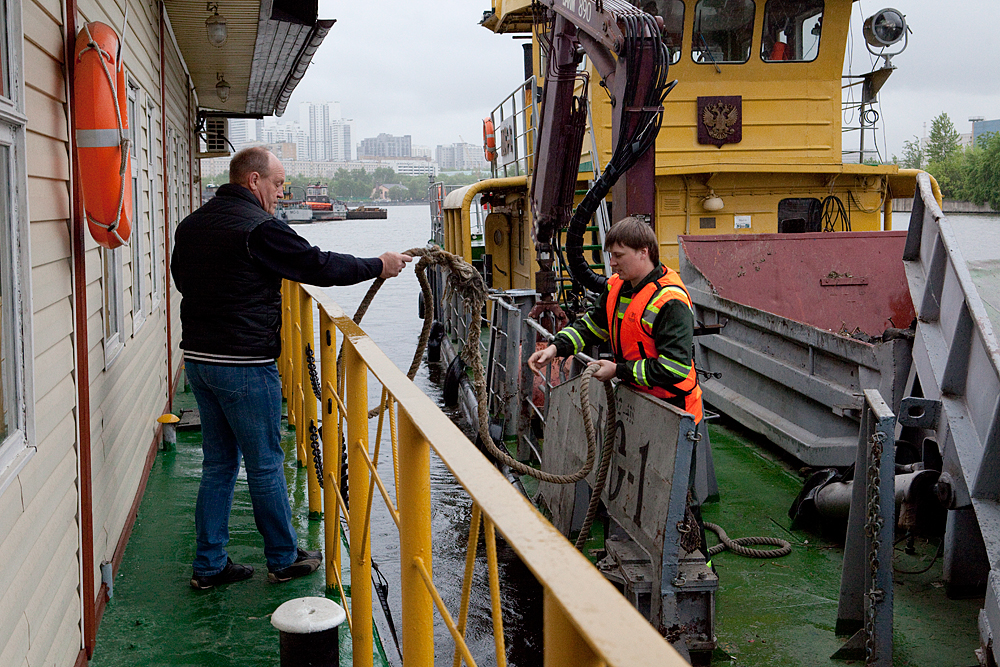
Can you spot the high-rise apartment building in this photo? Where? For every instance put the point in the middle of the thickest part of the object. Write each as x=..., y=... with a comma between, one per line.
x=385, y=145
x=462, y=157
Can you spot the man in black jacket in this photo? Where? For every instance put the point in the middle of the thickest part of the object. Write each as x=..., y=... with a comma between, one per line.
x=228, y=261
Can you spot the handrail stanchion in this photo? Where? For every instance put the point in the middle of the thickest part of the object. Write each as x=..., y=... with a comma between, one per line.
x=413, y=498
x=356, y=395
x=564, y=645
x=310, y=418
x=331, y=447
x=295, y=376
x=285, y=343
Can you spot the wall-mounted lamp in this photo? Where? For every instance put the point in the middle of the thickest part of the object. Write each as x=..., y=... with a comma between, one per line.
x=215, y=25
x=712, y=202
x=222, y=87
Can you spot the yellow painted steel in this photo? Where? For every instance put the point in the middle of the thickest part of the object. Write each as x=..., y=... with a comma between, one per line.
x=470, y=563
x=295, y=373
x=283, y=356
x=414, y=497
x=587, y=622
x=491, y=566
x=562, y=641
x=330, y=434
x=310, y=416
x=356, y=392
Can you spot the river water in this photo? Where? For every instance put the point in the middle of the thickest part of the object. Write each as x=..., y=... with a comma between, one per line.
x=393, y=324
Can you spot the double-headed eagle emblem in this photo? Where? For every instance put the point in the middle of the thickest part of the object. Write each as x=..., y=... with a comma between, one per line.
x=720, y=119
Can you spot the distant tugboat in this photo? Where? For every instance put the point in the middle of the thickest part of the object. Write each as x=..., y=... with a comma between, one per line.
x=366, y=213
x=324, y=208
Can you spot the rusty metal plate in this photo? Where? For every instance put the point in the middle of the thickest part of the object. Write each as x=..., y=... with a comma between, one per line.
x=842, y=282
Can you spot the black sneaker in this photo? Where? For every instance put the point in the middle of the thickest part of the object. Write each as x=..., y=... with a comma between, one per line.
x=231, y=573
x=307, y=563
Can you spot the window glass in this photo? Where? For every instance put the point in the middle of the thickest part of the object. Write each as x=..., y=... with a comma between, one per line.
x=8, y=365
x=138, y=229
x=672, y=12
x=112, y=299
x=4, y=65
x=791, y=30
x=723, y=31
x=154, y=246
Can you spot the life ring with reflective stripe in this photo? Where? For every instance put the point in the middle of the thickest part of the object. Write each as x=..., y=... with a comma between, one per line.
x=489, y=140
x=100, y=115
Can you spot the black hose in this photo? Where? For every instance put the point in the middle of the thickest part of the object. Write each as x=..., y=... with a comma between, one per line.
x=631, y=145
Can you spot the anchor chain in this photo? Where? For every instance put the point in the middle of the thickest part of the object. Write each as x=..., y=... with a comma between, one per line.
x=873, y=529
x=317, y=454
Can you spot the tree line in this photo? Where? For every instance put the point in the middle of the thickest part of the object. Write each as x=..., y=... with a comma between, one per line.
x=965, y=173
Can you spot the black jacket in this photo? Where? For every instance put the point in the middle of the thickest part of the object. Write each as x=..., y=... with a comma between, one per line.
x=228, y=261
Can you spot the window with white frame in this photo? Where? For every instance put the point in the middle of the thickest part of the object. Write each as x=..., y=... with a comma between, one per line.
x=138, y=228
x=114, y=315
x=16, y=409
x=154, y=242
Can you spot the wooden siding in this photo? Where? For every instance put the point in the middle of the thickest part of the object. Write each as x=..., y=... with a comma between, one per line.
x=40, y=586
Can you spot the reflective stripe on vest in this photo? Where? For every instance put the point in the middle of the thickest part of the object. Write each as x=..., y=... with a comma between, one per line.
x=631, y=321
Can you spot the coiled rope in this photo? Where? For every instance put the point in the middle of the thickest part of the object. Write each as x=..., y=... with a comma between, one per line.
x=739, y=545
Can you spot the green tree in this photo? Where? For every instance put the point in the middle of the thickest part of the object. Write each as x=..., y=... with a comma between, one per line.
x=943, y=141
x=913, y=155
x=982, y=185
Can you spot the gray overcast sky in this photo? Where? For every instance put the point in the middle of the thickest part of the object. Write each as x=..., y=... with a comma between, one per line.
x=431, y=71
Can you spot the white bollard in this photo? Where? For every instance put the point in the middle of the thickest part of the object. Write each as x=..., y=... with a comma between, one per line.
x=309, y=630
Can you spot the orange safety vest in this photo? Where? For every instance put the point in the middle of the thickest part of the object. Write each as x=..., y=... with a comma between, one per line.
x=630, y=324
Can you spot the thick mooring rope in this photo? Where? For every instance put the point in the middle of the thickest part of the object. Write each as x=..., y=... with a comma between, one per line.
x=465, y=281
x=739, y=545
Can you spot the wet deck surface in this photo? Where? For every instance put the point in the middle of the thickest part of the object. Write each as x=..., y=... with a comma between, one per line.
x=783, y=611
x=156, y=618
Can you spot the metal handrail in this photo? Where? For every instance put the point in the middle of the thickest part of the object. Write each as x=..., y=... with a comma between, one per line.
x=520, y=110
x=585, y=619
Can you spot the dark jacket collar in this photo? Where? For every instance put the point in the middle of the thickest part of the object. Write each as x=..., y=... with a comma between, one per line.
x=237, y=191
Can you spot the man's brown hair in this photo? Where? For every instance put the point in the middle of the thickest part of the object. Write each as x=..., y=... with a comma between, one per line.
x=247, y=161
x=634, y=233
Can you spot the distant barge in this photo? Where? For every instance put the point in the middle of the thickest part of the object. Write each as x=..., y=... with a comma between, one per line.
x=366, y=213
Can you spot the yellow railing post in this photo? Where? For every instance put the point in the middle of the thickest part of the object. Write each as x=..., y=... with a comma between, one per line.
x=564, y=645
x=282, y=370
x=295, y=376
x=310, y=418
x=356, y=397
x=413, y=498
x=331, y=446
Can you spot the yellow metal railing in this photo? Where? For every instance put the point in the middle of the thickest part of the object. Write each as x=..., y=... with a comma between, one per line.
x=586, y=621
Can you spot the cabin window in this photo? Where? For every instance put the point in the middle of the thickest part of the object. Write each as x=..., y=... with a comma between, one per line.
x=796, y=216
x=9, y=382
x=672, y=12
x=791, y=30
x=723, y=31
x=136, y=134
x=16, y=338
x=4, y=56
x=154, y=246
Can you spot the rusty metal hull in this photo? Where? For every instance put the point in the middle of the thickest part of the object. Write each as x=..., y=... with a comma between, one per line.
x=790, y=370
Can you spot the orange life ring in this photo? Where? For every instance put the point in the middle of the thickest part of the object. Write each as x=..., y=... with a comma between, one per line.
x=489, y=140
x=100, y=110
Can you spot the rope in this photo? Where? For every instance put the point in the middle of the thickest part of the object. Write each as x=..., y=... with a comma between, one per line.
x=123, y=140
x=464, y=280
x=609, y=441
x=739, y=545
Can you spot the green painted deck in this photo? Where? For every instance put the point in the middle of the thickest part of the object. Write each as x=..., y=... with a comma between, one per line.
x=783, y=611
x=155, y=618
x=769, y=612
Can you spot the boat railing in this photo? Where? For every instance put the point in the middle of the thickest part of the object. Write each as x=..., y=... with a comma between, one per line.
x=515, y=121
x=585, y=620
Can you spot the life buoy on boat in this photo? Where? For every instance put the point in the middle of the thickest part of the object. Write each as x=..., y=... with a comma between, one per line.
x=489, y=140
x=100, y=111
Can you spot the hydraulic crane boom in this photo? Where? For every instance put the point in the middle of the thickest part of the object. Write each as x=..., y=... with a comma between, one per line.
x=624, y=44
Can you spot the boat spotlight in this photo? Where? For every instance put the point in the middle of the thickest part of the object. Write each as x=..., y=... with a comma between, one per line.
x=883, y=29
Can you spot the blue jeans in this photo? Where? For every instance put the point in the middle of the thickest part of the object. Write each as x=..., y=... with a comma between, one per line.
x=240, y=417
